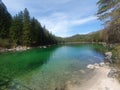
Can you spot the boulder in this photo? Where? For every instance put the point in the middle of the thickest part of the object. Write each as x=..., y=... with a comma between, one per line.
x=109, y=54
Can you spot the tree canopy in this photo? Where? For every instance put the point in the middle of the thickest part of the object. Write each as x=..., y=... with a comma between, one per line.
x=23, y=30
x=5, y=21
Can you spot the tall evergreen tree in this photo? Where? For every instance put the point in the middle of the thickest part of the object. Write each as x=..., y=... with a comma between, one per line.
x=16, y=29
x=26, y=28
x=22, y=30
x=5, y=21
x=35, y=28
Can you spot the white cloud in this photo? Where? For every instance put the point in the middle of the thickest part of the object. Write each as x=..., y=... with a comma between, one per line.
x=60, y=24
x=85, y=20
x=59, y=16
x=56, y=23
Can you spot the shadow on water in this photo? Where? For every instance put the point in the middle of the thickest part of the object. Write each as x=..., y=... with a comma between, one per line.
x=15, y=64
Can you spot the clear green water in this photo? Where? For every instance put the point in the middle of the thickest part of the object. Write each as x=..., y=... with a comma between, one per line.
x=49, y=68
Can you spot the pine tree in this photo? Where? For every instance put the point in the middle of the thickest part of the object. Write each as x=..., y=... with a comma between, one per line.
x=22, y=30
x=35, y=27
x=26, y=40
x=5, y=21
x=16, y=29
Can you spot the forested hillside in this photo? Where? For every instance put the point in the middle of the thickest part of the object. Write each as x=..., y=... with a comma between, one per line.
x=109, y=14
x=22, y=29
x=98, y=36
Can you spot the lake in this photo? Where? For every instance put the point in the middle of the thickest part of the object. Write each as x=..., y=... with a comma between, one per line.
x=48, y=68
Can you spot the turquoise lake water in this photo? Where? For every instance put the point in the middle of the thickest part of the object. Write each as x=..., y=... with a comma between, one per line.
x=49, y=68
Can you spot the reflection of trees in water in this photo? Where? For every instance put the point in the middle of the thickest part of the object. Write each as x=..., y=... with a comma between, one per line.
x=31, y=60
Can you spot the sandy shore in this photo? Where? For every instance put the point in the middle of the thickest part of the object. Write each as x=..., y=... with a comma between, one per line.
x=100, y=81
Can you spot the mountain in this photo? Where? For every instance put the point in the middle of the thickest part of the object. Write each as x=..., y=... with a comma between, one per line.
x=78, y=38
x=98, y=36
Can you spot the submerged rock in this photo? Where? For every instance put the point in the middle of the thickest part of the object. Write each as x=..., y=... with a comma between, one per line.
x=82, y=71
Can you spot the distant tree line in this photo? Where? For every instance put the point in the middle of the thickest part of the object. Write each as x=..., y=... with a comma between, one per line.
x=98, y=36
x=23, y=30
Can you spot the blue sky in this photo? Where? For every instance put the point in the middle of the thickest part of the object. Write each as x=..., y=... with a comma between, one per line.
x=61, y=17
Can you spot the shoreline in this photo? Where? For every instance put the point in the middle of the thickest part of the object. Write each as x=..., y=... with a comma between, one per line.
x=21, y=48
x=24, y=48
x=101, y=80
x=105, y=77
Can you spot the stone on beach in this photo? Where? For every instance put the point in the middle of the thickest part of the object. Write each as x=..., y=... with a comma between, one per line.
x=90, y=66
x=102, y=64
x=96, y=65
